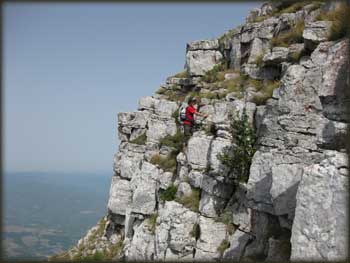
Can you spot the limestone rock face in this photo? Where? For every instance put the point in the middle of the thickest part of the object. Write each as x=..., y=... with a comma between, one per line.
x=203, y=45
x=174, y=200
x=317, y=31
x=320, y=229
x=119, y=196
x=277, y=55
x=200, y=61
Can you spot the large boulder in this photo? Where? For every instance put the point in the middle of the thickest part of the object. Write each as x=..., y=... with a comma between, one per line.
x=211, y=236
x=276, y=56
x=173, y=233
x=142, y=244
x=238, y=243
x=159, y=128
x=320, y=225
x=120, y=196
x=198, y=152
x=200, y=61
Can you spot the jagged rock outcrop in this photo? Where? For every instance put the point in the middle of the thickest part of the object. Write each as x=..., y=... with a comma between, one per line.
x=170, y=202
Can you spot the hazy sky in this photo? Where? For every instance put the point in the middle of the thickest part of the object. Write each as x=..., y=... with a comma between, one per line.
x=70, y=68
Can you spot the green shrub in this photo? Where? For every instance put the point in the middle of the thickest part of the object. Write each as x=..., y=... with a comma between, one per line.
x=191, y=201
x=223, y=246
x=238, y=158
x=152, y=222
x=294, y=35
x=340, y=18
x=167, y=163
x=174, y=141
x=196, y=231
x=141, y=140
x=213, y=75
x=169, y=193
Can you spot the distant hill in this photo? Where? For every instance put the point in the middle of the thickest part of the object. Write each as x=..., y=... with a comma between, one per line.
x=45, y=213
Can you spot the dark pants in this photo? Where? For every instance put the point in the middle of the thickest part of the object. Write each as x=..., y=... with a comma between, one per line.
x=188, y=131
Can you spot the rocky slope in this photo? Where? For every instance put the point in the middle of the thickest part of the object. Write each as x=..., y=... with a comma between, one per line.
x=287, y=66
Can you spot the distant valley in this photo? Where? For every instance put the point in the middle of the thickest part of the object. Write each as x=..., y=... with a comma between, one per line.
x=46, y=213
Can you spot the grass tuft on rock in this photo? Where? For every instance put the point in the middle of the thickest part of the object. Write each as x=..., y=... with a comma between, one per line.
x=141, y=140
x=167, y=163
x=294, y=35
x=182, y=74
x=173, y=141
x=340, y=19
x=225, y=244
x=152, y=222
x=191, y=201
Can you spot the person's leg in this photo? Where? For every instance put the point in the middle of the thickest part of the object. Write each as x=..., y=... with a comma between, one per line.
x=187, y=135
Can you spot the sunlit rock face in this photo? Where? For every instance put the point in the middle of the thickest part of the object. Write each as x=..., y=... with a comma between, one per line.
x=171, y=200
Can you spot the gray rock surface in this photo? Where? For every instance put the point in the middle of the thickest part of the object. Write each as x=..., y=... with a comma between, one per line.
x=200, y=61
x=320, y=225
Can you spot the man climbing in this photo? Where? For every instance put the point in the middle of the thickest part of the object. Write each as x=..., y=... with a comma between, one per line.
x=189, y=121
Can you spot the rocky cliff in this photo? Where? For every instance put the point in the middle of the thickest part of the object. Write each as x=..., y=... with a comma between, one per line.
x=286, y=69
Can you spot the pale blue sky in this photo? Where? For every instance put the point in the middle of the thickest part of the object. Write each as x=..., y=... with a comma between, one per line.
x=70, y=68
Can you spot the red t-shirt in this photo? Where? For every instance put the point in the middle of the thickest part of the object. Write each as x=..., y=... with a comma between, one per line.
x=190, y=111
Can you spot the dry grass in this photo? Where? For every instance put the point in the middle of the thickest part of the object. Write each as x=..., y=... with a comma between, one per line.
x=191, y=201
x=294, y=35
x=340, y=21
x=167, y=163
x=266, y=90
x=152, y=223
x=223, y=246
x=182, y=74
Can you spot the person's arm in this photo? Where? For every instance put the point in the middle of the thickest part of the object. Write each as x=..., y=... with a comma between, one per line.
x=201, y=114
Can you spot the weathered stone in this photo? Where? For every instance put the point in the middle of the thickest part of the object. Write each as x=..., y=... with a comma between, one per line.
x=258, y=48
x=136, y=119
x=120, y=196
x=174, y=230
x=200, y=61
x=159, y=128
x=317, y=31
x=217, y=147
x=195, y=178
x=212, y=234
x=260, y=73
x=213, y=186
x=142, y=244
x=276, y=56
x=211, y=205
x=198, y=150
x=238, y=242
x=285, y=181
x=203, y=45
x=235, y=53
x=184, y=189
x=165, y=108
x=262, y=29
x=146, y=103
x=127, y=164
x=320, y=225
